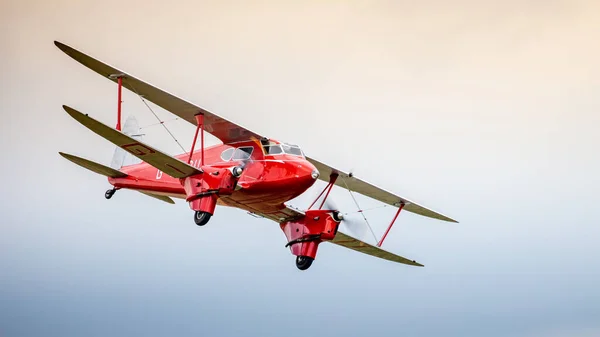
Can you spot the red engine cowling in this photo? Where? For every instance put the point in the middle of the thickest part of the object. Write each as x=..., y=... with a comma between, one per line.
x=305, y=234
x=204, y=189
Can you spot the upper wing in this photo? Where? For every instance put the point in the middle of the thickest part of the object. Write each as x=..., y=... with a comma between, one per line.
x=169, y=165
x=221, y=128
x=345, y=180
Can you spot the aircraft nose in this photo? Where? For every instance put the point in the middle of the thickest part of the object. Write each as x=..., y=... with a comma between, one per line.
x=306, y=171
x=315, y=174
x=310, y=168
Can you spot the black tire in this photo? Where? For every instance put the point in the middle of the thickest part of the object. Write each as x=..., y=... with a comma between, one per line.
x=109, y=193
x=201, y=218
x=303, y=262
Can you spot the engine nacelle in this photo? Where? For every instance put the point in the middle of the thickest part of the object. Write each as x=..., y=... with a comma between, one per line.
x=203, y=190
x=306, y=233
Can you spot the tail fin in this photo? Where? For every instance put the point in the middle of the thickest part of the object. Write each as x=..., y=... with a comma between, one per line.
x=121, y=157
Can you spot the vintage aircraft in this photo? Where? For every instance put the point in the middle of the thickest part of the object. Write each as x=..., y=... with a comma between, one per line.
x=247, y=171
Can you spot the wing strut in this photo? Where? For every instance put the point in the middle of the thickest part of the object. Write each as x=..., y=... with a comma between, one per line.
x=332, y=178
x=359, y=209
x=200, y=127
x=119, y=78
x=391, y=224
x=161, y=122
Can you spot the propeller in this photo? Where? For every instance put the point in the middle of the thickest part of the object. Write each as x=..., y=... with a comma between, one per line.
x=239, y=169
x=353, y=221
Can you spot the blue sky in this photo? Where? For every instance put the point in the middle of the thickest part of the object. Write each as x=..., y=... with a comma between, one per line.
x=485, y=111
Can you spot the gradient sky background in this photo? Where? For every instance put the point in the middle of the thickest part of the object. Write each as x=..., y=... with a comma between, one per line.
x=485, y=111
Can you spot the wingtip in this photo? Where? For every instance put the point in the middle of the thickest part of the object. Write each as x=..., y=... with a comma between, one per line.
x=446, y=218
x=60, y=45
x=417, y=264
x=69, y=110
x=67, y=156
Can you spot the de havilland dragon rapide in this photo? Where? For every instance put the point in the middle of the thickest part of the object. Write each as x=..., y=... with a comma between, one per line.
x=248, y=171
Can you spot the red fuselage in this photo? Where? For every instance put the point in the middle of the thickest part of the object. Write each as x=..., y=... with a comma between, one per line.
x=270, y=177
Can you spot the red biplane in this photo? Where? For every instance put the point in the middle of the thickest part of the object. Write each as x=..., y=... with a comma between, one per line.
x=247, y=171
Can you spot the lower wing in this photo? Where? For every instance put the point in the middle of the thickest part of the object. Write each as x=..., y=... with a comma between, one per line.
x=347, y=241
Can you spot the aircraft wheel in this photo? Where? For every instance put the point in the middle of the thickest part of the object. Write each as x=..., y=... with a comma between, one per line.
x=303, y=262
x=201, y=218
x=109, y=193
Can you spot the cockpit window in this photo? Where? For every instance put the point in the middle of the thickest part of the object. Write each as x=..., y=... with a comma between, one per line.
x=292, y=149
x=277, y=149
x=226, y=155
x=242, y=153
x=273, y=149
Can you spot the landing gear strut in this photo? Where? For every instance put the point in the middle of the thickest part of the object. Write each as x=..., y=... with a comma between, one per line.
x=303, y=262
x=201, y=218
x=109, y=193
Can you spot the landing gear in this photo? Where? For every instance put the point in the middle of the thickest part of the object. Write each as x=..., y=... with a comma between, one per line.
x=303, y=262
x=201, y=218
x=109, y=193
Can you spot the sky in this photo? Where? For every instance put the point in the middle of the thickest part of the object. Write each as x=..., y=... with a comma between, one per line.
x=486, y=111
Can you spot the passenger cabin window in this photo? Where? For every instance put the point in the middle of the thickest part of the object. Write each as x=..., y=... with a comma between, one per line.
x=242, y=153
x=273, y=149
x=226, y=155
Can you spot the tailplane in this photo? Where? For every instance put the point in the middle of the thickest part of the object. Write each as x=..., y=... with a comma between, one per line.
x=93, y=166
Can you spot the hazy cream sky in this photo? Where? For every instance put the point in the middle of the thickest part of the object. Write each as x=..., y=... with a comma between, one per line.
x=486, y=111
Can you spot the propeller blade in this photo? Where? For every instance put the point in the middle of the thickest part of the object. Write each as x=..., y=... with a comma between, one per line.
x=330, y=205
x=353, y=222
x=356, y=225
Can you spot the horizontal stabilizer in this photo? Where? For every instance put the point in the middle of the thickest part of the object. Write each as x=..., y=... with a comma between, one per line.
x=159, y=197
x=94, y=167
x=347, y=241
x=167, y=164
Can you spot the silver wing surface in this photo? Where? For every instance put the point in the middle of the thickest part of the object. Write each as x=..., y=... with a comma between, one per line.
x=347, y=241
x=348, y=181
x=221, y=128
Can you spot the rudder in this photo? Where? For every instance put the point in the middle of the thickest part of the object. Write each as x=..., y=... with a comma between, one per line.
x=121, y=157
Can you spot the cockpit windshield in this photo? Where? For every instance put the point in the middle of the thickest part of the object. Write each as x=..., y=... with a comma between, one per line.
x=292, y=149
x=279, y=149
